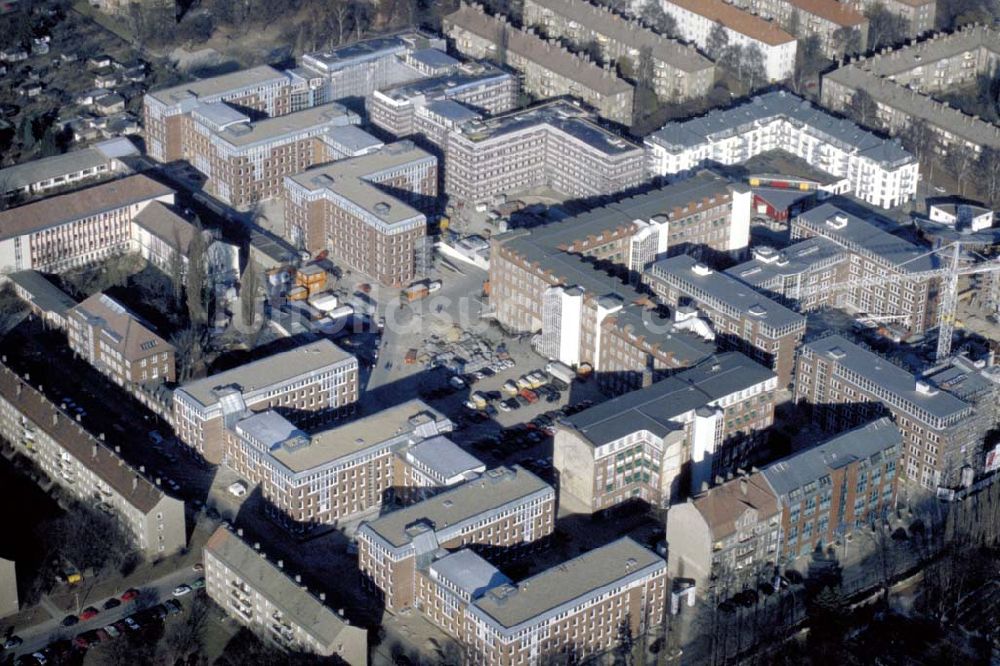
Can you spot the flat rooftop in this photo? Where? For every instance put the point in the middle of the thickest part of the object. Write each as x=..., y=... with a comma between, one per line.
x=493, y=490
x=220, y=86
x=268, y=371
x=717, y=124
x=775, y=265
x=655, y=407
x=444, y=457
x=292, y=126
x=560, y=115
x=563, y=586
x=357, y=53
x=852, y=232
x=461, y=79
x=469, y=572
x=723, y=292
x=899, y=383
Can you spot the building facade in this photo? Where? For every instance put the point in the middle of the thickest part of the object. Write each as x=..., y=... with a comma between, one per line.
x=743, y=319
x=313, y=384
x=841, y=29
x=365, y=210
x=661, y=443
x=879, y=171
x=547, y=69
x=696, y=19
x=679, y=71
x=503, y=512
x=105, y=159
x=259, y=595
x=920, y=15
x=335, y=475
x=88, y=469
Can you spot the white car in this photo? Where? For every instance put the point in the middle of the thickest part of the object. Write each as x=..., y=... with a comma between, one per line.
x=237, y=489
x=181, y=590
x=503, y=406
x=470, y=405
x=457, y=382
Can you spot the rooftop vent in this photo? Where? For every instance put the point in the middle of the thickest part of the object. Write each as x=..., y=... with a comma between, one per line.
x=701, y=269
x=924, y=388
x=382, y=208
x=757, y=310
x=837, y=352
x=765, y=254
x=837, y=222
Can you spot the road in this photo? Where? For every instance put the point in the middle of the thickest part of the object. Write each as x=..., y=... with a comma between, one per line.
x=39, y=636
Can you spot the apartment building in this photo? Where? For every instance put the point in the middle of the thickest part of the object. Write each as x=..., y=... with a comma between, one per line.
x=245, y=161
x=556, y=145
x=365, y=210
x=580, y=608
x=845, y=385
x=44, y=299
x=660, y=443
x=432, y=106
x=259, y=595
x=906, y=83
x=743, y=319
x=311, y=384
x=82, y=227
x=163, y=237
x=120, y=345
x=728, y=537
x=358, y=69
x=500, y=513
x=105, y=159
x=85, y=466
x=920, y=15
x=264, y=90
x=801, y=276
x=704, y=212
x=547, y=69
x=836, y=487
x=697, y=18
x=679, y=71
x=872, y=254
x=834, y=23
x=879, y=171
x=337, y=474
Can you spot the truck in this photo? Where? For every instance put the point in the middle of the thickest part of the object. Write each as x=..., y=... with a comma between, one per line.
x=560, y=371
x=339, y=312
x=479, y=400
x=415, y=292
x=325, y=302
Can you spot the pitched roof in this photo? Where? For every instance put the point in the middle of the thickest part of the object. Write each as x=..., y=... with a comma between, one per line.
x=54, y=211
x=71, y=436
x=119, y=328
x=831, y=10
x=738, y=20
x=722, y=505
x=161, y=221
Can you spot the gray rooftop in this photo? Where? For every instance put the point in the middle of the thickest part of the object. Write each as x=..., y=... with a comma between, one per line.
x=444, y=458
x=351, y=55
x=723, y=292
x=216, y=87
x=769, y=268
x=433, y=58
x=299, y=607
x=467, y=571
x=716, y=124
x=468, y=76
x=960, y=377
x=43, y=294
x=655, y=407
x=453, y=111
x=462, y=504
x=268, y=371
x=900, y=385
x=351, y=139
x=288, y=127
x=560, y=115
x=858, y=234
x=809, y=466
x=596, y=572
x=20, y=176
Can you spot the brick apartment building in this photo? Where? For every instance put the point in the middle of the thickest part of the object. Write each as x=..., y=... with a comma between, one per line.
x=503, y=512
x=245, y=160
x=311, y=384
x=335, y=475
x=556, y=145
x=843, y=484
x=430, y=107
x=81, y=227
x=679, y=71
x=845, y=385
x=85, y=466
x=695, y=20
x=364, y=210
x=259, y=595
x=663, y=442
x=547, y=68
x=743, y=319
x=553, y=279
x=877, y=170
x=727, y=537
x=830, y=20
x=873, y=253
x=578, y=609
x=907, y=83
x=118, y=344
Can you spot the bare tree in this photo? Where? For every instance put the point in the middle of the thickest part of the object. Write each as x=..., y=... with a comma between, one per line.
x=196, y=282
x=960, y=162
x=183, y=638
x=249, y=289
x=988, y=174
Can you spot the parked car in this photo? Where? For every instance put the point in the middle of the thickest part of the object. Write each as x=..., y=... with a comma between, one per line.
x=70, y=620
x=130, y=594
x=112, y=603
x=112, y=631
x=199, y=567
x=198, y=584
x=173, y=606
x=181, y=590
x=88, y=613
x=12, y=642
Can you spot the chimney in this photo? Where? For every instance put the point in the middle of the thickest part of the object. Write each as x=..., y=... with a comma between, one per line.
x=55, y=418
x=135, y=483
x=239, y=531
x=298, y=578
x=118, y=449
x=256, y=545
x=142, y=469
x=19, y=389
x=744, y=484
x=101, y=437
x=281, y=564
x=322, y=596
x=94, y=451
x=78, y=418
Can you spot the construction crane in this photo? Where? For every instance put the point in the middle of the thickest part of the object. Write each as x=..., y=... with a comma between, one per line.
x=948, y=300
